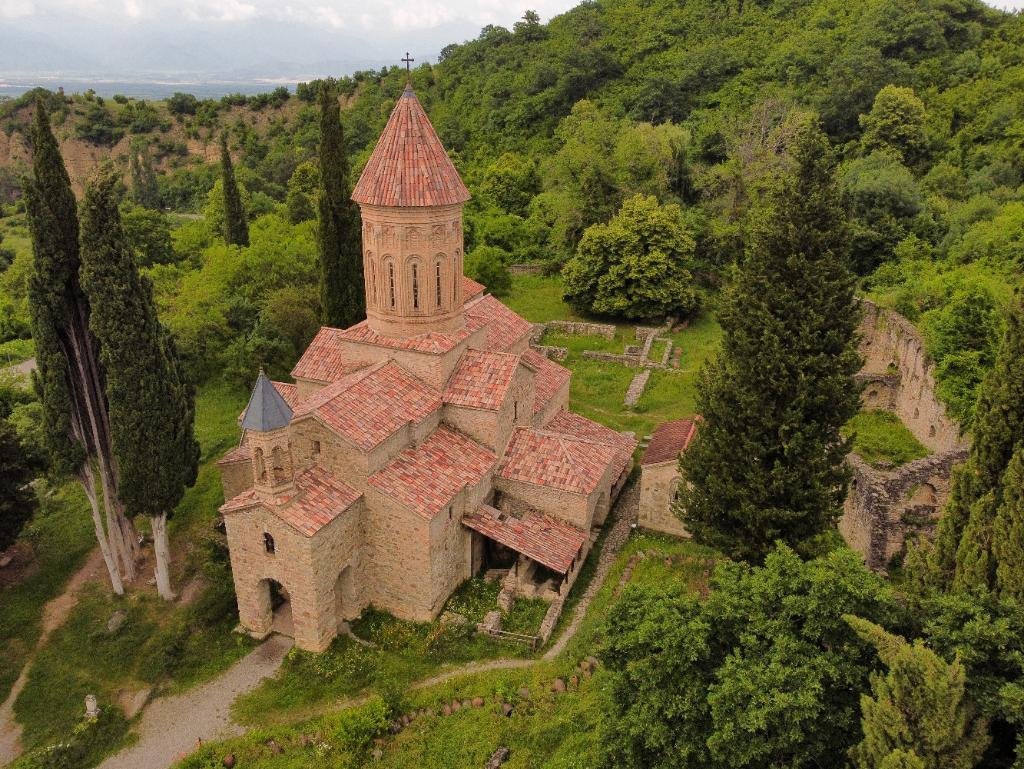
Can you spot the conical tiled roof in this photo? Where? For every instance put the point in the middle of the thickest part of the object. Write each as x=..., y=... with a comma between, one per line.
x=267, y=410
x=409, y=167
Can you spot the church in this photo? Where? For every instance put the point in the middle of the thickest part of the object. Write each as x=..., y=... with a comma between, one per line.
x=421, y=446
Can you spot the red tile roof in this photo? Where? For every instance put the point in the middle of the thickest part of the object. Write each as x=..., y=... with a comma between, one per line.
x=550, y=378
x=427, y=477
x=430, y=342
x=241, y=453
x=481, y=379
x=548, y=541
x=322, y=360
x=504, y=327
x=409, y=166
x=670, y=439
x=580, y=427
x=471, y=289
x=553, y=459
x=318, y=498
x=372, y=404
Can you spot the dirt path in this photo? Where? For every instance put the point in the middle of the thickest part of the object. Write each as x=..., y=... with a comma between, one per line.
x=172, y=727
x=55, y=612
x=24, y=369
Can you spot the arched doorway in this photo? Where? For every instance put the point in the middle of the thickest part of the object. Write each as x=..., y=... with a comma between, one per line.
x=344, y=599
x=278, y=603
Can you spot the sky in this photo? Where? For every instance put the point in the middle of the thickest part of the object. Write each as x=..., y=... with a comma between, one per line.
x=353, y=16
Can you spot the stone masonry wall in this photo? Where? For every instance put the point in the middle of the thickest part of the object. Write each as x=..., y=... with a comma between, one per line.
x=885, y=507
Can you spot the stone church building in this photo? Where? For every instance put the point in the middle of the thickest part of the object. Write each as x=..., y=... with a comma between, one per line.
x=420, y=446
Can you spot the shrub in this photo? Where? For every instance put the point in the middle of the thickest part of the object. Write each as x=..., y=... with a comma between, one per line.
x=489, y=265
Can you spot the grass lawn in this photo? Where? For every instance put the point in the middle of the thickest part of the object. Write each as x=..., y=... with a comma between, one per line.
x=538, y=298
x=544, y=730
x=169, y=647
x=880, y=436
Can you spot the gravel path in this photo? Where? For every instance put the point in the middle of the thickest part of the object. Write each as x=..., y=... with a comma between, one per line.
x=172, y=727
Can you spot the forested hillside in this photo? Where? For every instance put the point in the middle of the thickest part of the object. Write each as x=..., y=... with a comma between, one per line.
x=554, y=126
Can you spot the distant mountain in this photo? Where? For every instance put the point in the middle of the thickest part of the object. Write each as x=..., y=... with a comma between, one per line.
x=258, y=48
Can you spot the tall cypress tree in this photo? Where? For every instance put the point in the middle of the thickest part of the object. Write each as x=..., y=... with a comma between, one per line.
x=236, y=227
x=144, y=186
x=768, y=462
x=342, y=297
x=69, y=378
x=964, y=540
x=151, y=404
x=1008, y=534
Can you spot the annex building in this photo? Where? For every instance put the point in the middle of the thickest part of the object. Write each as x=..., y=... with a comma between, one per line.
x=420, y=446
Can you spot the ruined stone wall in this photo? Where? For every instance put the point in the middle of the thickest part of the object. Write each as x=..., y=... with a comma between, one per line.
x=900, y=377
x=658, y=484
x=887, y=506
x=579, y=328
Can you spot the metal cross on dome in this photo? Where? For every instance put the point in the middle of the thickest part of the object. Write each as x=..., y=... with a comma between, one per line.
x=408, y=60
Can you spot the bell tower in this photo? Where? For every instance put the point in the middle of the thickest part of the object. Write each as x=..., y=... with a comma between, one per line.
x=265, y=421
x=411, y=200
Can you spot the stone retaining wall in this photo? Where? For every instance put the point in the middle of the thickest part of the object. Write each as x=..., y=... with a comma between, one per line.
x=580, y=328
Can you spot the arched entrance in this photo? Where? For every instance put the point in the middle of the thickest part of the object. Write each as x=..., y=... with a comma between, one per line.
x=277, y=602
x=344, y=598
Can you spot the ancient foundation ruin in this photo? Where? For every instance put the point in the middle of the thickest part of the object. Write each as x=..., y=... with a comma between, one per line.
x=888, y=505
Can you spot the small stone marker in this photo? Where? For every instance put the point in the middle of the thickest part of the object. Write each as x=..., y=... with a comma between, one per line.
x=478, y=702
x=506, y=709
x=92, y=708
x=229, y=761
x=497, y=758
x=558, y=685
x=116, y=621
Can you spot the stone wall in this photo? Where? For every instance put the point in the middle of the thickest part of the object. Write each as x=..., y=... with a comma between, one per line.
x=899, y=373
x=579, y=328
x=886, y=506
x=658, y=483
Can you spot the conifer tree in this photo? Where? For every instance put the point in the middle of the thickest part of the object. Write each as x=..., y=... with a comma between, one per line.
x=69, y=379
x=236, y=228
x=151, y=404
x=342, y=298
x=144, y=186
x=919, y=715
x=768, y=461
x=964, y=540
x=1008, y=534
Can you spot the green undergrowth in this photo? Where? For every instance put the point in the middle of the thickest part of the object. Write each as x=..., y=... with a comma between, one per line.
x=881, y=437
x=60, y=537
x=545, y=729
x=15, y=351
x=538, y=298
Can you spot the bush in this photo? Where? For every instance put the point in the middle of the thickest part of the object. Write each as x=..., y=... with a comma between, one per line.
x=88, y=742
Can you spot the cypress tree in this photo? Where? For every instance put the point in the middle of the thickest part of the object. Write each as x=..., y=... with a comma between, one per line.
x=964, y=540
x=151, y=404
x=1008, y=535
x=236, y=228
x=69, y=379
x=919, y=714
x=144, y=187
x=768, y=462
x=342, y=297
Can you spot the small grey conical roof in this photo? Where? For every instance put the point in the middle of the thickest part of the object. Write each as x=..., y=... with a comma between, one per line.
x=267, y=410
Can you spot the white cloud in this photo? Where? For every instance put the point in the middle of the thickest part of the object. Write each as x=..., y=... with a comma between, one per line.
x=13, y=9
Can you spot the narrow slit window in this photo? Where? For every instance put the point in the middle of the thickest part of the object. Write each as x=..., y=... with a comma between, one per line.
x=415, y=288
x=391, y=285
x=268, y=543
x=437, y=282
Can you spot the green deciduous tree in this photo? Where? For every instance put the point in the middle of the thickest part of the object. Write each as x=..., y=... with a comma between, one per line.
x=897, y=121
x=236, y=227
x=17, y=499
x=145, y=191
x=761, y=674
x=70, y=380
x=637, y=266
x=339, y=236
x=148, y=235
x=151, y=403
x=302, y=191
x=489, y=265
x=918, y=714
x=768, y=462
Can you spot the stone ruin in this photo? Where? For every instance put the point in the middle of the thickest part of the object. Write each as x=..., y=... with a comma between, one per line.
x=888, y=505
